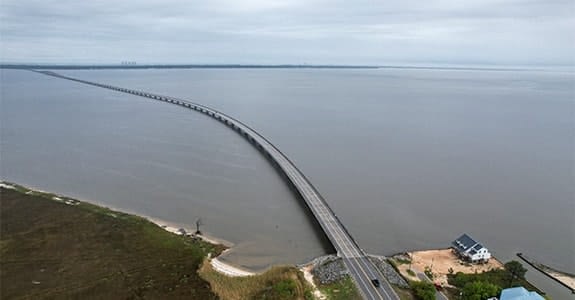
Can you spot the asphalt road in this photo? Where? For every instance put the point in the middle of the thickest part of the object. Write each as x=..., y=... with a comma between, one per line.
x=361, y=269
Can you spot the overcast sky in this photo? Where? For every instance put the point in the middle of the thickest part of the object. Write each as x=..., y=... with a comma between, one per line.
x=379, y=32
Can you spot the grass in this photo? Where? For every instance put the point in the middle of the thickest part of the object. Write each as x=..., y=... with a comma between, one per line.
x=401, y=261
x=404, y=293
x=279, y=282
x=49, y=249
x=341, y=290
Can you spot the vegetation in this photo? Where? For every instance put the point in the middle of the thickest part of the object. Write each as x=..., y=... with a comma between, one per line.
x=341, y=290
x=404, y=293
x=423, y=290
x=402, y=261
x=49, y=249
x=515, y=270
x=280, y=282
x=479, y=290
x=488, y=282
x=429, y=272
x=410, y=272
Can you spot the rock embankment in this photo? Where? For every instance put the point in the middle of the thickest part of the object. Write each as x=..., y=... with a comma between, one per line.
x=388, y=271
x=328, y=269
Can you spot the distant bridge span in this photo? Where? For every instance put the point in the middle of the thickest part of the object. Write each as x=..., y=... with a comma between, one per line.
x=361, y=269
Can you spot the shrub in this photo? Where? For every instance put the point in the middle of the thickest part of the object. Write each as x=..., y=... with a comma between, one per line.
x=428, y=272
x=423, y=290
x=285, y=289
x=479, y=290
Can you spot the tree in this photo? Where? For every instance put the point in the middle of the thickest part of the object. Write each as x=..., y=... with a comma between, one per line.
x=479, y=290
x=198, y=223
x=423, y=290
x=515, y=270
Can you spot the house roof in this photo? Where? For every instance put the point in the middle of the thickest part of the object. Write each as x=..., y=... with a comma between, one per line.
x=519, y=293
x=464, y=242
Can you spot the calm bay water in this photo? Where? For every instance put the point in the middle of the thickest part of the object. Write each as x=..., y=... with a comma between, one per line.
x=408, y=159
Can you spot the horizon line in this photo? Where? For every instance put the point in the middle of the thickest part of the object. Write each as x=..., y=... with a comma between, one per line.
x=69, y=66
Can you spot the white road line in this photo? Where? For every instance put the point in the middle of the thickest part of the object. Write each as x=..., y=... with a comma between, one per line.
x=350, y=264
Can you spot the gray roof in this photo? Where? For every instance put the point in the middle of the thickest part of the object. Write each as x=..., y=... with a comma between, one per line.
x=464, y=242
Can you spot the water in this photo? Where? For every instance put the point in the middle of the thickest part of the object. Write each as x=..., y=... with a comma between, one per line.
x=408, y=159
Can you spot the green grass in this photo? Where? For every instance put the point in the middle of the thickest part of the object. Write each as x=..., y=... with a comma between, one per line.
x=341, y=290
x=49, y=249
x=402, y=261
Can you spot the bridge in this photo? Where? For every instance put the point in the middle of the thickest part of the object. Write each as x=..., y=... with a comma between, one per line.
x=361, y=269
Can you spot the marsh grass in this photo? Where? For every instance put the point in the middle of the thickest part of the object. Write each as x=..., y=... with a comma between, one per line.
x=279, y=282
x=49, y=249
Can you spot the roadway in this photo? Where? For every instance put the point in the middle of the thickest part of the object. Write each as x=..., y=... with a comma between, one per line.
x=361, y=269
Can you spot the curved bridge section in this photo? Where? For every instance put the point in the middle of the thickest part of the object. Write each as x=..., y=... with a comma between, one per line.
x=360, y=267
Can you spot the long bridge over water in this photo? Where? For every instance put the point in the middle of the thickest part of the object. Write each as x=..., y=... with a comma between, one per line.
x=361, y=269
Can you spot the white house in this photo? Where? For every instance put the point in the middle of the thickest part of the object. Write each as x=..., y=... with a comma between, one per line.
x=469, y=249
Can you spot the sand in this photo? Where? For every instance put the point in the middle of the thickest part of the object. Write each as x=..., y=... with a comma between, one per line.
x=306, y=270
x=217, y=264
x=567, y=280
x=440, y=261
x=227, y=269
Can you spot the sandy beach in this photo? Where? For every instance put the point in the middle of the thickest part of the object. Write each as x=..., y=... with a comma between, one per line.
x=217, y=264
x=228, y=269
x=568, y=280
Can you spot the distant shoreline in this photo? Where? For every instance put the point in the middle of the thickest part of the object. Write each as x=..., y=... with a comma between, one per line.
x=252, y=66
x=179, y=66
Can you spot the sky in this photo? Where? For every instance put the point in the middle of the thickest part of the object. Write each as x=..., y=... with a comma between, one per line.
x=342, y=32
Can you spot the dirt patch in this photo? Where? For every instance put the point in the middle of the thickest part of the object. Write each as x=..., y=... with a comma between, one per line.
x=441, y=261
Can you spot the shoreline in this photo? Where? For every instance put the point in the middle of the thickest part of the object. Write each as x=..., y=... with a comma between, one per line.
x=219, y=265
x=159, y=259
x=566, y=280
x=228, y=269
x=179, y=230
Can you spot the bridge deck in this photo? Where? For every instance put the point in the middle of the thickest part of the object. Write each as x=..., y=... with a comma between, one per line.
x=360, y=267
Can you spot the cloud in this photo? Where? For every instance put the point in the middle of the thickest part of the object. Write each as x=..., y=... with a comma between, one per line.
x=281, y=31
